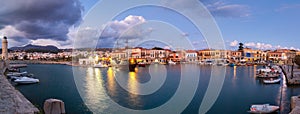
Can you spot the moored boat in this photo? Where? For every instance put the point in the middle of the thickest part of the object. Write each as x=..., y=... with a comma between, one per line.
x=141, y=64
x=263, y=109
x=271, y=81
x=16, y=73
x=171, y=62
x=100, y=65
x=231, y=64
x=26, y=80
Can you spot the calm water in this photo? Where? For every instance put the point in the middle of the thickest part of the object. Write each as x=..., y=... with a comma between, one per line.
x=98, y=88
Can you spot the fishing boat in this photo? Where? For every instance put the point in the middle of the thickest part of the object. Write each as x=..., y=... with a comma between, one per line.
x=100, y=65
x=263, y=109
x=141, y=64
x=231, y=64
x=156, y=61
x=16, y=73
x=26, y=80
x=272, y=81
x=267, y=75
x=171, y=62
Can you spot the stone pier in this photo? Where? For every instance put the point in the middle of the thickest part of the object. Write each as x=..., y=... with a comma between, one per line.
x=11, y=100
x=295, y=80
x=295, y=105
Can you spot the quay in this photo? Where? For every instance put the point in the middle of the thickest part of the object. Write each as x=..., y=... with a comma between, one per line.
x=293, y=79
x=295, y=105
x=11, y=100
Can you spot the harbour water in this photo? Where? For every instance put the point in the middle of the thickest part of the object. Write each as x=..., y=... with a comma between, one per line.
x=98, y=85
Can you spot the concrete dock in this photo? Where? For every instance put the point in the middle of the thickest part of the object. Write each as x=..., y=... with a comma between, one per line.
x=11, y=100
x=292, y=80
x=295, y=105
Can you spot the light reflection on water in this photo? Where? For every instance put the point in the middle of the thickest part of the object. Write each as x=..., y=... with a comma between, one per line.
x=99, y=81
x=93, y=84
x=133, y=86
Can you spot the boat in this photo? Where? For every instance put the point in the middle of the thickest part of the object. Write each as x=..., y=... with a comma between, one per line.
x=26, y=80
x=156, y=61
x=16, y=73
x=100, y=65
x=267, y=75
x=263, y=109
x=162, y=63
x=208, y=62
x=242, y=62
x=231, y=64
x=272, y=81
x=141, y=64
x=171, y=62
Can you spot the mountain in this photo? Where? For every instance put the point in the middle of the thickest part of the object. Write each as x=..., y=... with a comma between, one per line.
x=36, y=48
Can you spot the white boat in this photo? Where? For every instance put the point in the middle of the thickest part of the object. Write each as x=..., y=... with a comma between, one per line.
x=171, y=62
x=274, y=69
x=16, y=73
x=263, y=109
x=26, y=80
x=156, y=61
x=100, y=65
x=272, y=81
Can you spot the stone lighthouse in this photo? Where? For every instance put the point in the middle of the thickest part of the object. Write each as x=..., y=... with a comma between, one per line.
x=4, y=49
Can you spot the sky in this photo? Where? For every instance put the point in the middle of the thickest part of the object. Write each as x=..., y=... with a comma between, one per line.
x=267, y=24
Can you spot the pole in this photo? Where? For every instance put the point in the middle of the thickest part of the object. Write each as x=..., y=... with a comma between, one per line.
x=292, y=72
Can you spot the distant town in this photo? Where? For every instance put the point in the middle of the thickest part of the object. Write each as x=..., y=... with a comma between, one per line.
x=242, y=56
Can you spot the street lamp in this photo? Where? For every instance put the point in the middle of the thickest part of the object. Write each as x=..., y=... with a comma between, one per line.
x=293, y=62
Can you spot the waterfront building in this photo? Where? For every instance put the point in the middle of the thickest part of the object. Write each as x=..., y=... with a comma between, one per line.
x=278, y=56
x=210, y=54
x=251, y=55
x=119, y=54
x=297, y=53
x=236, y=56
x=159, y=54
x=87, y=61
x=191, y=56
x=176, y=56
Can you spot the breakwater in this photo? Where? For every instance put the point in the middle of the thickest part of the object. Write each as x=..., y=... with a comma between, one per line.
x=11, y=100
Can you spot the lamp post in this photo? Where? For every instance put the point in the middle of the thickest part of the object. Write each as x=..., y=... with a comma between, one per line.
x=293, y=62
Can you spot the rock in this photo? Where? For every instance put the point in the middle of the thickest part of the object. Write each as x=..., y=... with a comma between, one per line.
x=296, y=110
x=295, y=105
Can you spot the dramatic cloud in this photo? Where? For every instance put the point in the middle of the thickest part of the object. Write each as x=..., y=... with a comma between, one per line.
x=39, y=19
x=110, y=32
x=115, y=28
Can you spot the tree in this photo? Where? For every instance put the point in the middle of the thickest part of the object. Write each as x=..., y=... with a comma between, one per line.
x=241, y=46
x=297, y=60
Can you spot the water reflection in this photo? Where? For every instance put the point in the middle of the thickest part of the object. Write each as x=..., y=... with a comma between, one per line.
x=254, y=71
x=134, y=87
x=94, y=92
x=111, y=84
x=234, y=72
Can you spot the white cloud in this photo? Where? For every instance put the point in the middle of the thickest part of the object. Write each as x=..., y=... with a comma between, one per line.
x=11, y=31
x=115, y=28
x=260, y=45
x=106, y=35
x=234, y=43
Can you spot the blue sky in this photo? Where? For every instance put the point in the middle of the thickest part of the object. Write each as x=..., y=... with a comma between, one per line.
x=267, y=24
